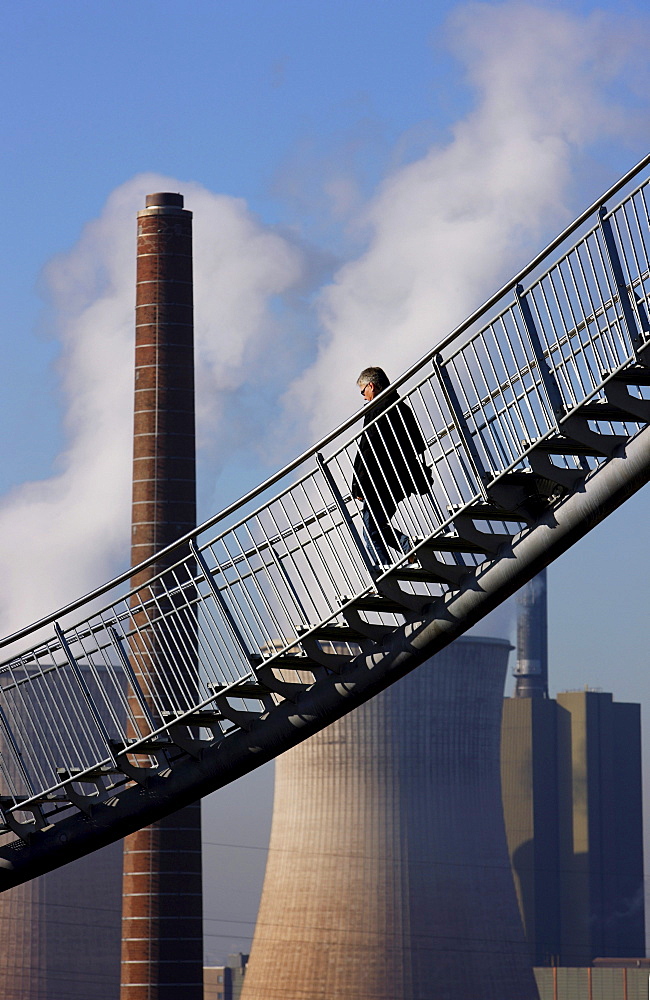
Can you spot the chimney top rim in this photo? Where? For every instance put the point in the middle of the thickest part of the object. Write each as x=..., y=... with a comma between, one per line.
x=164, y=199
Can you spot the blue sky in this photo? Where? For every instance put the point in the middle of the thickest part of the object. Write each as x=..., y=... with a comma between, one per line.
x=322, y=146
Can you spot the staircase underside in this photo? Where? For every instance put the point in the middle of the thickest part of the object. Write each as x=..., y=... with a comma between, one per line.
x=306, y=708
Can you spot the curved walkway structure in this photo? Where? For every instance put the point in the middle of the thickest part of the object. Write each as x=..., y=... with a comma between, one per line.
x=270, y=621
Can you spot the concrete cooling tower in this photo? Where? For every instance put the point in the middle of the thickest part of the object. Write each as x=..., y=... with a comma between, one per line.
x=388, y=875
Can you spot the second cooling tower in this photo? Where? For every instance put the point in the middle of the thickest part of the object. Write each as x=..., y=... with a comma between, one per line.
x=388, y=875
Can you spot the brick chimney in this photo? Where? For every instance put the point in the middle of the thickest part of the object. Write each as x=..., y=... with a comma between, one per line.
x=162, y=932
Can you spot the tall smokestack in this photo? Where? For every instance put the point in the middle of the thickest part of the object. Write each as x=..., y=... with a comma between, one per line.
x=531, y=670
x=162, y=932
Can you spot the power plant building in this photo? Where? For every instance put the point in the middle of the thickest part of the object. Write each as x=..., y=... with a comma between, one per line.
x=225, y=982
x=573, y=809
x=572, y=796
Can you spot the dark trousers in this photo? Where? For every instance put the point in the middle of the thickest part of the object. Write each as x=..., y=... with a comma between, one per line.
x=379, y=533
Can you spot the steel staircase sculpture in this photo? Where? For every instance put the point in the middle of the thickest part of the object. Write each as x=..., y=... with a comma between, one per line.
x=270, y=621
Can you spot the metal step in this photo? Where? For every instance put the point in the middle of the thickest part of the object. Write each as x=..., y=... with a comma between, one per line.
x=46, y=798
x=605, y=411
x=11, y=801
x=289, y=690
x=492, y=512
x=332, y=633
x=486, y=542
x=454, y=543
x=104, y=770
x=450, y=574
x=25, y=829
x=617, y=393
x=242, y=717
x=567, y=479
x=247, y=689
x=136, y=772
x=376, y=602
x=559, y=444
x=239, y=716
x=190, y=743
x=293, y=661
x=634, y=375
x=372, y=602
x=524, y=494
x=203, y=717
x=337, y=633
x=389, y=586
x=144, y=748
x=576, y=426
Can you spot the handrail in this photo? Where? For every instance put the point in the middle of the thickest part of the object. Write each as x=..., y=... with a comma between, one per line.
x=121, y=578
x=292, y=566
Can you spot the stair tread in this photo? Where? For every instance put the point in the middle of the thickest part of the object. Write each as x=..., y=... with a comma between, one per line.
x=413, y=574
x=197, y=718
x=605, y=411
x=250, y=689
x=633, y=376
x=342, y=633
x=291, y=662
x=453, y=543
x=247, y=689
x=488, y=512
x=561, y=445
x=95, y=772
x=375, y=602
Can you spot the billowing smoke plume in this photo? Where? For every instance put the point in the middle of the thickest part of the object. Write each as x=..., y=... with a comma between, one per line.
x=446, y=230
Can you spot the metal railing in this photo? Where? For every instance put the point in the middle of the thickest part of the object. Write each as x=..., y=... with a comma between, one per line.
x=98, y=678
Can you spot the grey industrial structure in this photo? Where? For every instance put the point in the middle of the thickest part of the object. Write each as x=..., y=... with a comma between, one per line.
x=572, y=802
x=572, y=795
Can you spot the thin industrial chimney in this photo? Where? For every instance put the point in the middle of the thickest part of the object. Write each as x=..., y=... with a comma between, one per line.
x=531, y=670
x=162, y=933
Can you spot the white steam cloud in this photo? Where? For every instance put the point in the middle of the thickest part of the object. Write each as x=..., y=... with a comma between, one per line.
x=63, y=536
x=443, y=232
x=447, y=230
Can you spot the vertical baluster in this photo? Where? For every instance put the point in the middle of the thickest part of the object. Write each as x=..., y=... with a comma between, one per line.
x=18, y=757
x=81, y=680
x=345, y=513
x=617, y=271
x=548, y=378
x=461, y=425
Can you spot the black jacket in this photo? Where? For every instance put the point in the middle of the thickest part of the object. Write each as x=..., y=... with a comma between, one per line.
x=388, y=467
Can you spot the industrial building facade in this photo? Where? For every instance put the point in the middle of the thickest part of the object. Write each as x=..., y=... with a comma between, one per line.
x=225, y=982
x=627, y=982
x=571, y=775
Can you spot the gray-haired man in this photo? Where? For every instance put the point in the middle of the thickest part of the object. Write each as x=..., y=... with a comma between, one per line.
x=388, y=467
